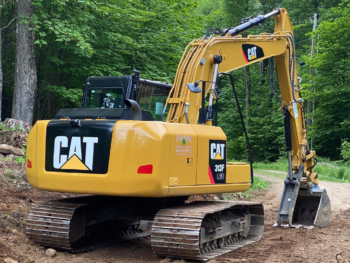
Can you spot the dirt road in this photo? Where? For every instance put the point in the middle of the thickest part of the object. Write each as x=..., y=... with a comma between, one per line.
x=330, y=244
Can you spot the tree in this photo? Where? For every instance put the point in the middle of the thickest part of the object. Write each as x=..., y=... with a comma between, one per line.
x=331, y=117
x=77, y=39
x=2, y=5
x=25, y=69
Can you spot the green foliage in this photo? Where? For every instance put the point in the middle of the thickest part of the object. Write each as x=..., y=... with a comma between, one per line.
x=279, y=165
x=259, y=185
x=327, y=170
x=332, y=83
x=333, y=171
x=67, y=97
x=21, y=160
x=264, y=122
x=5, y=128
x=345, y=150
x=77, y=39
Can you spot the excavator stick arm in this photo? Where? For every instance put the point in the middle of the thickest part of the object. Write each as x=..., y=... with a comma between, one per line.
x=199, y=69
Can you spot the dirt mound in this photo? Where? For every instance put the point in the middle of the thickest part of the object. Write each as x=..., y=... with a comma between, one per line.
x=16, y=139
x=15, y=202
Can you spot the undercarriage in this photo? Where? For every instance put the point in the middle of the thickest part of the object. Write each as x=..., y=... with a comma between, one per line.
x=196, y=231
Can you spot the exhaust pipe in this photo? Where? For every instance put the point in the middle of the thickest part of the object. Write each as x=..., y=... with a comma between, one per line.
x=136, y=110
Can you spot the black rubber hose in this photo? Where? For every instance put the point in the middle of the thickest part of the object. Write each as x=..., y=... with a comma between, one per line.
x=243, y=125
x=216, y=112
x=287, y=130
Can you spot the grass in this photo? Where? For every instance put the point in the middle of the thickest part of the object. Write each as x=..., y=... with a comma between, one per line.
x=10, y=178
x=276, y=166
x=5, y=128
x=327, y=170
x=259, y=184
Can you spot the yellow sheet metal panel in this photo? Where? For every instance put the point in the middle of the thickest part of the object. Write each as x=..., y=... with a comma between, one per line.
x=170, y=150
x=134, y=144
x=32, y=151
x=205, y=134
x=236, y=174
x=40, y=151
x=147, y=159
x=208, y=189
x=183, y=153
x=173, y=181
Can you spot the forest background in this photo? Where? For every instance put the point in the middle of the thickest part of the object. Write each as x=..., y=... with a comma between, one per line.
x=69, y=40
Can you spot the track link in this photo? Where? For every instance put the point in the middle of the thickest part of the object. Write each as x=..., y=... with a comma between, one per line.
x=57, y=224
x=179, y=232
x=49, y=223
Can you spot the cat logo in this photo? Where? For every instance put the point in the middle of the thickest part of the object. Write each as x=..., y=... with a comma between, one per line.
x=252, y=52
x=217, y=151
x=217, y=161
x=74, y=159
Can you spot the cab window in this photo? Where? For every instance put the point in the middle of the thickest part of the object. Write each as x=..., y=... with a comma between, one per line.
x=104, y=98
x=152, y=98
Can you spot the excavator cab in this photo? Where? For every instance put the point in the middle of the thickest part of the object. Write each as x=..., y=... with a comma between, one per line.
x=110, y=92
x=104, y=98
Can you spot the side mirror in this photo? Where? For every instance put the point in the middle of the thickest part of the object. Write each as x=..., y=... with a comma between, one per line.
x=194, y=87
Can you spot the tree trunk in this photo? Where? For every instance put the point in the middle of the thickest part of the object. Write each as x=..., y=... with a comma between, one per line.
x=313, y=44
x=1, y=74
x=25, y=70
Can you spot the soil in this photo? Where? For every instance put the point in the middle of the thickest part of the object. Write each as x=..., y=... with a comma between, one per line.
x=329, y=244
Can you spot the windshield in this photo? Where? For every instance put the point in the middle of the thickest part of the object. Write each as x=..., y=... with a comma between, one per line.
x=104, y=98
x=152, y=98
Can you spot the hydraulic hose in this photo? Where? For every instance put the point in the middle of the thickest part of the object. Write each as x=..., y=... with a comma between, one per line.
x=243, y=125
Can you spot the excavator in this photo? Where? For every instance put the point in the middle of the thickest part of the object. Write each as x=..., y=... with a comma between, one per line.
x=136, y=173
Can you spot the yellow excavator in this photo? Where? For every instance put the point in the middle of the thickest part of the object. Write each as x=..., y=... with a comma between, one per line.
x=139, y=172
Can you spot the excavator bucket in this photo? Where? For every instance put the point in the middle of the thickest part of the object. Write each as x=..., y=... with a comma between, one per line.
x=303, y=207
x=312, y=208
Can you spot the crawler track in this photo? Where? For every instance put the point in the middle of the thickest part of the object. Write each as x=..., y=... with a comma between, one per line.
x=62, y=225
x=180, y=232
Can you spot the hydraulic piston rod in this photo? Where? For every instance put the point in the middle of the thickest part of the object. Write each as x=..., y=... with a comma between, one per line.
x=251, y=23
